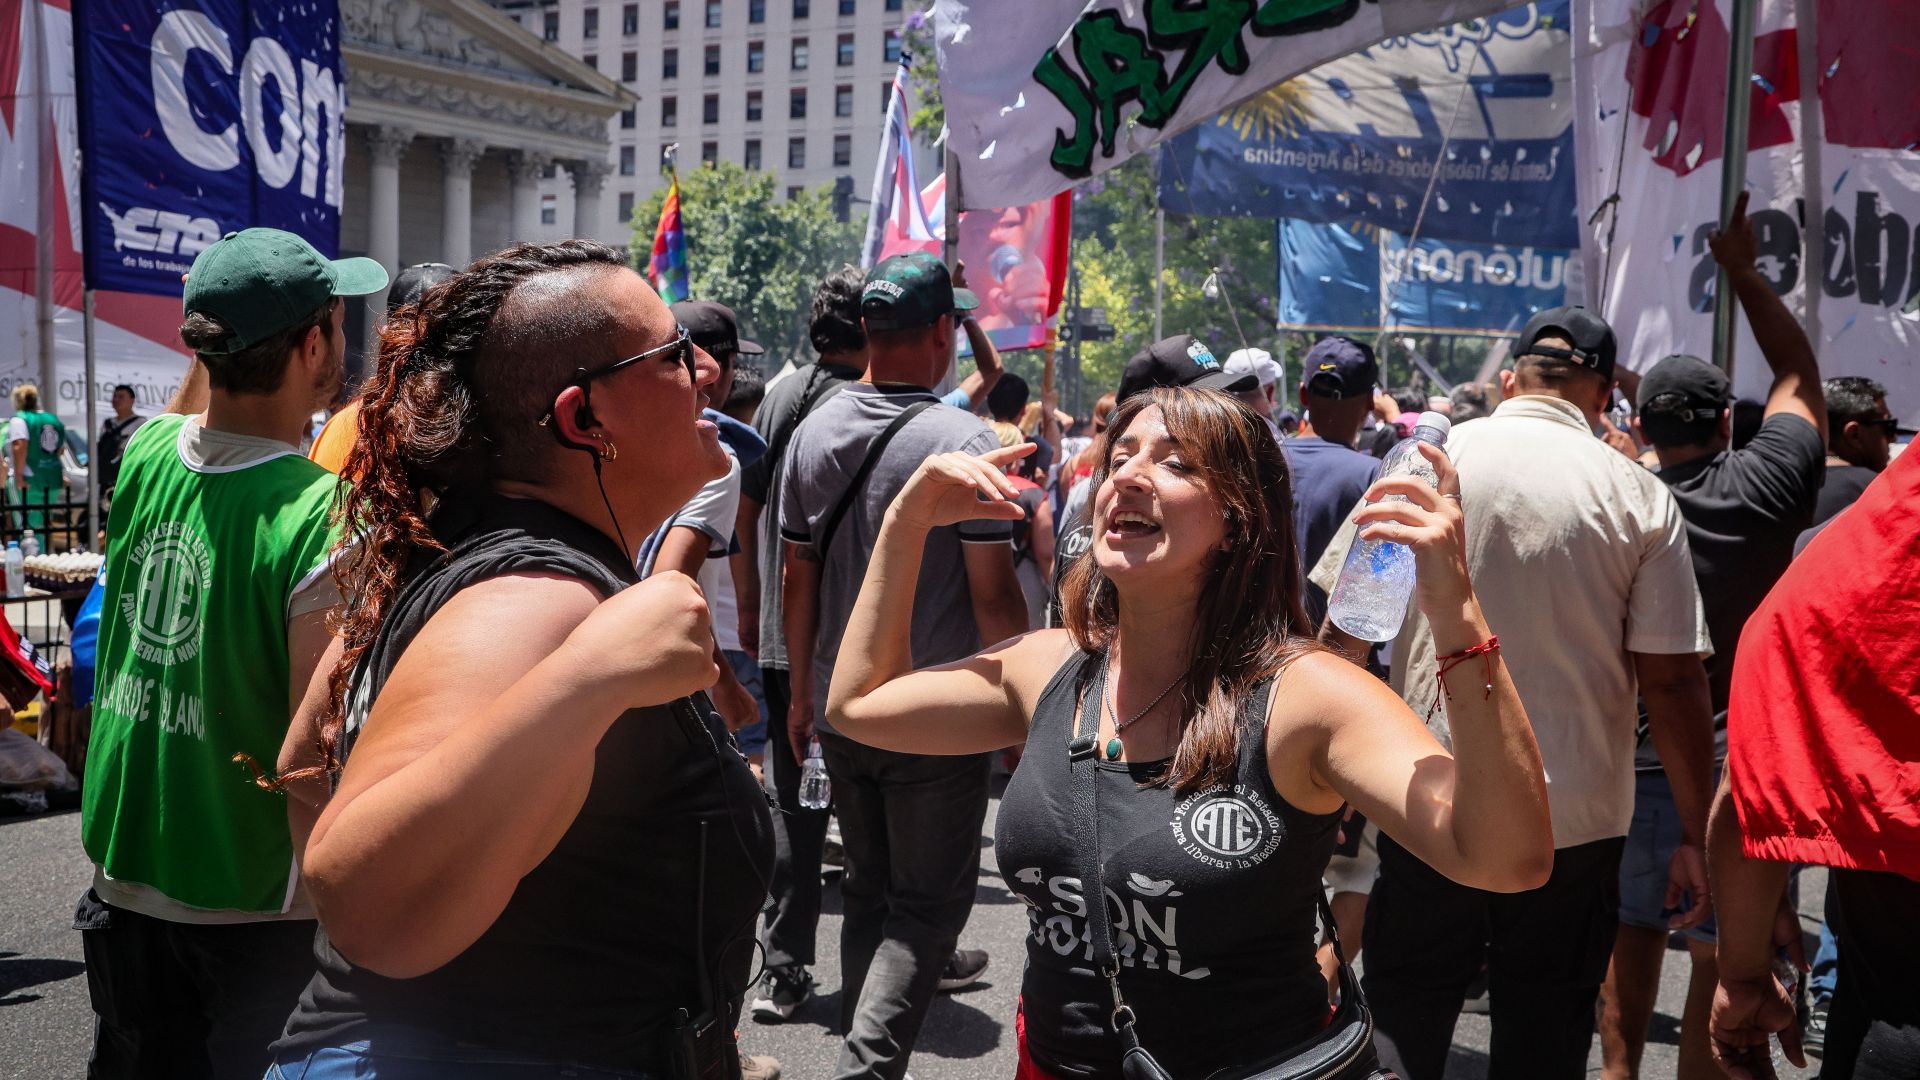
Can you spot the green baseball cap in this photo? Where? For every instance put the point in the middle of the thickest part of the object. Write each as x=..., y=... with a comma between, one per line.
x=259, y=282
x=911, y=290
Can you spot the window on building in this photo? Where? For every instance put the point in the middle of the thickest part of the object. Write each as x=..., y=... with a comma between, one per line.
x=846, y=7
x=842, y=150
x=550, y=26
x=713, y=14
x=843, y=51
x=799, y=54
x=756, y=11
x=629, y=66
x=751, y=158
x=590, y=23
x=843, y=101
x=793, y=192
x=710, y=109
x=712, y=61
x=627, y=118
x=891, y=46
x=709, y=153
x=797, y=152
x=886, y=97
x=669, y=63
x=592, y=60
x=756, y=56
x=669, y=111
x=894, y=5
x=802, y=8
x=549, y=209
x=630, y=18
x=625, y=201
x=626, y=161
x=670, y=15
x=754, y=106
x=797, y=103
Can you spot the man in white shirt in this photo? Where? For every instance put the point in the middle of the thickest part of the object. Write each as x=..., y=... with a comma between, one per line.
x=1581, y=563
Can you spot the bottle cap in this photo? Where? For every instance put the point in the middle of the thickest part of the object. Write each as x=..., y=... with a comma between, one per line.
x=1436, y=421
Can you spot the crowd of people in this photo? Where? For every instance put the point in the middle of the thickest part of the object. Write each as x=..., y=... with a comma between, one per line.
x=535, y=660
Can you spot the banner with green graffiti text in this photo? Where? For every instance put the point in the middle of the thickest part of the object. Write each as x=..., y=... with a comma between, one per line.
x=1041, y=94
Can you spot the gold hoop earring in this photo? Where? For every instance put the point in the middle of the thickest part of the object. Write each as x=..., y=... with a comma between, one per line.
x=608, y=451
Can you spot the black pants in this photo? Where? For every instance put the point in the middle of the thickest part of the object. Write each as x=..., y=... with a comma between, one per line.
x=1546, y=953
x=798, y=836
x=179, y=1000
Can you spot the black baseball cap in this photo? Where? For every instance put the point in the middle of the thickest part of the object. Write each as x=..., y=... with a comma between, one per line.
x=1181, y=360
x=1594, y=346
x=259, y=282
x=905, y=291
x=413, y=282
x=1341, y=368
x=713, y=327
x=1686, y=388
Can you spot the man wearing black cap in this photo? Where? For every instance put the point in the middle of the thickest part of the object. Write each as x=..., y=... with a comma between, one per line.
x=197, y=931
x=1581, y=562
x=1743, y=510
x=910, y=823
x=1329, y=475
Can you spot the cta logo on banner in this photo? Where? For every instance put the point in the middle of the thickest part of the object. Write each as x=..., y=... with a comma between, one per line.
x=1487, y=103
x=202, y=118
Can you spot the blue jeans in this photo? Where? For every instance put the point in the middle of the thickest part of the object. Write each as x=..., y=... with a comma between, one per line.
x=752, y=739
x=1651, y=841
x=405, y=1055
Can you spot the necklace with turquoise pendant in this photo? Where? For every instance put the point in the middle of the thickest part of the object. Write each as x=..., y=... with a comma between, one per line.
x=1114, y=747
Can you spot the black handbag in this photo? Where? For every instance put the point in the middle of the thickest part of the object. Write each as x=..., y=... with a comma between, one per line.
x=1343, y=1051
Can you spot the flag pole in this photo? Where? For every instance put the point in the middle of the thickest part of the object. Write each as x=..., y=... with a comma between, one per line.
x=94, y=464
x=950, y=253
x=1733, y=167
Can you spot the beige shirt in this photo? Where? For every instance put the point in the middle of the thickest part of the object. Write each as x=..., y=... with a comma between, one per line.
x=1579, y=558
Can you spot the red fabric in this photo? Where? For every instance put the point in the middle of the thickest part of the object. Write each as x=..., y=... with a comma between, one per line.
x=1823, y=728
x=1025, y=1069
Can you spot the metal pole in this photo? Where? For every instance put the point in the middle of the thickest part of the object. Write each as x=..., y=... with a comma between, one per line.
x=1733, y=168
x=1813, y=237
x=951, y=248
x=1159, y=267
x=92, y=392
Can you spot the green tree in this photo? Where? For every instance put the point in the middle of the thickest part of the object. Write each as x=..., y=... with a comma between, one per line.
x=757, y=253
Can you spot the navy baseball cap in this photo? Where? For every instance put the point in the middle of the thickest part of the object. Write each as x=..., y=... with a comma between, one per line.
x=1594, y=347
x=1181, y=360
x=1341, y=368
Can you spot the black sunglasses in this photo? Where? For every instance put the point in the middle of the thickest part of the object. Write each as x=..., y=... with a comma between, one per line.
x=1890, y=425
x=584, y=377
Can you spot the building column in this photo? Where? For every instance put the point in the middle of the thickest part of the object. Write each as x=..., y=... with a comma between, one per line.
x=588, y=178
x=456, y=186
x=386, y=145
x=526, y=167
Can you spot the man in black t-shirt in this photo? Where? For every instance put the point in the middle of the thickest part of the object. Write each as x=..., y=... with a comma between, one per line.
x=1860, y=431
x=1743, y=510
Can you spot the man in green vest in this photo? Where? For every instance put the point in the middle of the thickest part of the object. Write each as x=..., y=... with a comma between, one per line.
x=197, y=933
x=34, y=442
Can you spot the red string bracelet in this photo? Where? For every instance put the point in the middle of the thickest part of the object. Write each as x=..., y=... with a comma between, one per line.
x=1485, y=649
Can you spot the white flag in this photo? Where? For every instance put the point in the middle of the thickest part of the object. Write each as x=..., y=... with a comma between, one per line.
x=896, y=184
x=1043, y=93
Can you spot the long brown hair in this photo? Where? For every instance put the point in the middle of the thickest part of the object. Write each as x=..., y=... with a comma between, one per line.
x=1250, y=622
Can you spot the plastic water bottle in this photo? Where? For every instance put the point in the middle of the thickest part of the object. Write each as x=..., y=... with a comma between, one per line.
x=16, y=570
x=816, y=791
x=29, y=544
x=1370, y=599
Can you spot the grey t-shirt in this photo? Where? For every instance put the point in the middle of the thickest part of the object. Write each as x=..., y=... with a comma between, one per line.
x=826, y=452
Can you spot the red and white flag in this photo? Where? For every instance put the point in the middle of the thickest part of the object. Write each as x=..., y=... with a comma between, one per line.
x=896, y=184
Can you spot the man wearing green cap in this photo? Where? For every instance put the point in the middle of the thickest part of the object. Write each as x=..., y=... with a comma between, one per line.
x=904, y=904
x=198, y=936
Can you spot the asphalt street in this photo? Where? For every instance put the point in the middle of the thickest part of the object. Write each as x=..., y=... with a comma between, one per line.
x=45, y=1021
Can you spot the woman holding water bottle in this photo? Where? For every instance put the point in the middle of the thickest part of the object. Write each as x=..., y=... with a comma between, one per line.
x=1190, y=745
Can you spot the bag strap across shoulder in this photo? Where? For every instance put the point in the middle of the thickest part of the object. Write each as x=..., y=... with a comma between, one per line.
x=859, y=482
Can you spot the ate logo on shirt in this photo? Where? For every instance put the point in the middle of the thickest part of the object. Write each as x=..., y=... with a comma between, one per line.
x=1231, y=828
x=165, y=606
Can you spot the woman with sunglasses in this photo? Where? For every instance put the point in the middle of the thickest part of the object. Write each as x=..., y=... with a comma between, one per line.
x=1224, y=741
x=542, y=856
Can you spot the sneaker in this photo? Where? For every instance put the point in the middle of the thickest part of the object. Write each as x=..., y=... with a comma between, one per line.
x=759, y=1067
x=1813, y=1038
x=963, y=969
x=781, y=992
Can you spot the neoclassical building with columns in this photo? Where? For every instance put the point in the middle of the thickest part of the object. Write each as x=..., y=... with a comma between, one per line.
x=465, y=133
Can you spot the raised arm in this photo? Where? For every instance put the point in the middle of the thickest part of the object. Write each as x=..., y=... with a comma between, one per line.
x=1796, y=373
x=1478, y=815
x=980, y=703
x=479, y=752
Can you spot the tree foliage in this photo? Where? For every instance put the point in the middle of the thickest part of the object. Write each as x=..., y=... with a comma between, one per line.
x=757, y=253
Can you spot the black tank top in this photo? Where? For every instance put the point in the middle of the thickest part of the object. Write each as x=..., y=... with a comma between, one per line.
x=1212, y=897
x=595, y=950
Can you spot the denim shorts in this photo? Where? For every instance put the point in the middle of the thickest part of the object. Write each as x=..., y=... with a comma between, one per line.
x=1651, y=842
x=405, y=1058
x=751, y=739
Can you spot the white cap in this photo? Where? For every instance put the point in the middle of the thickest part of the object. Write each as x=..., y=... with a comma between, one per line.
x=1256, y=362
x=1437, y=421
